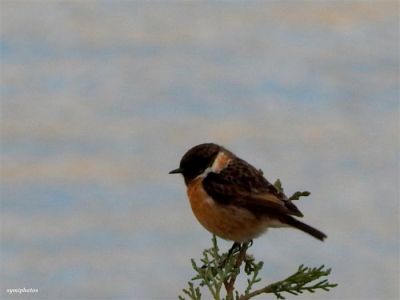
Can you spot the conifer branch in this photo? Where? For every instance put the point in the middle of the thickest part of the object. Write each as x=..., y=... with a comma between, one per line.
x=220, y=271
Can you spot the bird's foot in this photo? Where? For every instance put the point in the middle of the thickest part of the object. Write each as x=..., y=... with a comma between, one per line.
x=234, y=249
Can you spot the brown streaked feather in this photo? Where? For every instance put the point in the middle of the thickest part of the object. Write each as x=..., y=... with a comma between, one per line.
x=241, y=184
x=229, y=222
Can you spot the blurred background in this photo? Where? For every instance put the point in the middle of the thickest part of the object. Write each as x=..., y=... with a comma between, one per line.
x=100, y=99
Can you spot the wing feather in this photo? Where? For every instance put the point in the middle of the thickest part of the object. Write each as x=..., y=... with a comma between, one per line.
x=241, y=184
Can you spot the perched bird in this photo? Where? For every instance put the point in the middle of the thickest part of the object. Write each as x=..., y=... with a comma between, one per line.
x=232, y=199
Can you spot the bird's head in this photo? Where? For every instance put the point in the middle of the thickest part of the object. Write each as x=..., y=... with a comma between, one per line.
x=196, y=160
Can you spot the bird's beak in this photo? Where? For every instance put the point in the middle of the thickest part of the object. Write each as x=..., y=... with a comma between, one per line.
x=176, y=171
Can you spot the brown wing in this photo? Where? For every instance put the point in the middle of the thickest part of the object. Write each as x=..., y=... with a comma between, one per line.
x=243, y=185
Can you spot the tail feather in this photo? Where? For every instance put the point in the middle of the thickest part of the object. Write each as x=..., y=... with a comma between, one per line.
x=304, y=227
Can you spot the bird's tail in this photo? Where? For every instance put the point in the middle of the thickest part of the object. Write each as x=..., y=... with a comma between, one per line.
x=304, y=227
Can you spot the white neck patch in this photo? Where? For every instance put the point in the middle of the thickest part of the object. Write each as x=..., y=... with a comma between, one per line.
x=220, y=162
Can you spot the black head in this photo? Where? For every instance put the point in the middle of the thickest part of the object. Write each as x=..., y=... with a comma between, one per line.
x=197, y=160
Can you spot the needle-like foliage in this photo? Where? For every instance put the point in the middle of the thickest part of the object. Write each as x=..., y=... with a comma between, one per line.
x=218, y=273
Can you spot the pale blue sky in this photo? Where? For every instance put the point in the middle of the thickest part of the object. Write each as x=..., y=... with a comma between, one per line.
x=100, y=99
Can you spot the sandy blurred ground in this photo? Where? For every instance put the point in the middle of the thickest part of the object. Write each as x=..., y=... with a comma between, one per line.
x=99, y=100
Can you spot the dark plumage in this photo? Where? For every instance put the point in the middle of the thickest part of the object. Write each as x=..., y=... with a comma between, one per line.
x=238, y=190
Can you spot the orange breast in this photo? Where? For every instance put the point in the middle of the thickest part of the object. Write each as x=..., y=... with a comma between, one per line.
x=226, y=221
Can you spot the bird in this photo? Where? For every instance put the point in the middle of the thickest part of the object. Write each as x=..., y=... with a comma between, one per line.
x=232, y=199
